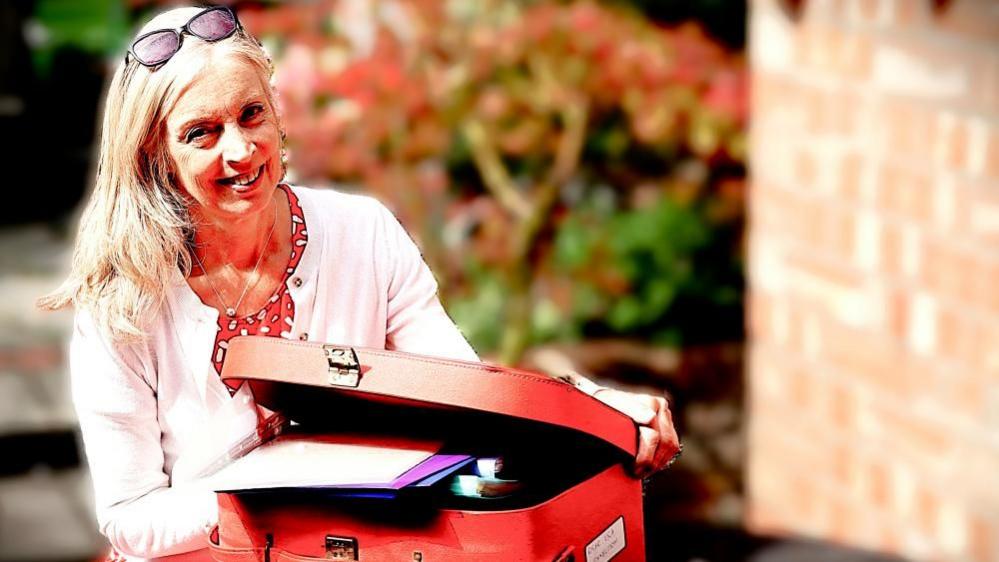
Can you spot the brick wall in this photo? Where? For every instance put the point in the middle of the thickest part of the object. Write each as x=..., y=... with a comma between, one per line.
x=874, y=268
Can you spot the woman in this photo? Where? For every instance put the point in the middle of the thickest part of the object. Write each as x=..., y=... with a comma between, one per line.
x=190, y=238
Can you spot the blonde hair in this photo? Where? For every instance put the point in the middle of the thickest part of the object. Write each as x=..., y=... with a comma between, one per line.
x=135, y=229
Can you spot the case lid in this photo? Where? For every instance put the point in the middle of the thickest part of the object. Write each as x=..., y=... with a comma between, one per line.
x=274, y=366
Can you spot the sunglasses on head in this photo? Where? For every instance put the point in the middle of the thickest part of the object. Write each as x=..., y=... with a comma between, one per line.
x=156, y=47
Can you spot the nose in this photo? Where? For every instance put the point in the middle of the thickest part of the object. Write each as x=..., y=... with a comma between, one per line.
x=236, y=147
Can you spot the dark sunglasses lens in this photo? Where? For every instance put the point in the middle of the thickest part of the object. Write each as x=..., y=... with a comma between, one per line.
x=213, y=25
x=156, y=48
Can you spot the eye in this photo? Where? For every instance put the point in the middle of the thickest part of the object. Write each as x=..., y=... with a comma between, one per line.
x=199, y=133
x=195, y=133
x=252, y=112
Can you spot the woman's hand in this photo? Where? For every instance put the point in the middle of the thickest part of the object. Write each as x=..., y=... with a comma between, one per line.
x=658, y=443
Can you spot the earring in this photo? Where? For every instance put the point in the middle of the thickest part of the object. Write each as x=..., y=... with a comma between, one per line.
x=284, y=153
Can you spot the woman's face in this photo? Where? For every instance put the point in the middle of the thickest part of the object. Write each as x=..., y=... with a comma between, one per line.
x=225, y=142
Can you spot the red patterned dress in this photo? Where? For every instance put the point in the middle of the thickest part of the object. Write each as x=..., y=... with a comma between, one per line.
x=277, y=316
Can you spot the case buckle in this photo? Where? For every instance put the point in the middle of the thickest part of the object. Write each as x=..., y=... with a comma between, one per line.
x=344, y=368
x=341, y=548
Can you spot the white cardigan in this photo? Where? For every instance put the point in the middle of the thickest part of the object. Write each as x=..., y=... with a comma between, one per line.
x=360, y=282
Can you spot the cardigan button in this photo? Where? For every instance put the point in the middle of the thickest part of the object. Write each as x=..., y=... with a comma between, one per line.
x=296, y=281
x=304, y=336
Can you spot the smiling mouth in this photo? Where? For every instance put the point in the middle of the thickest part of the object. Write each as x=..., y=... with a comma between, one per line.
x=243, y=180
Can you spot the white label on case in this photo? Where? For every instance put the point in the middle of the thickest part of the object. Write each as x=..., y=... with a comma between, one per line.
x=608, y=543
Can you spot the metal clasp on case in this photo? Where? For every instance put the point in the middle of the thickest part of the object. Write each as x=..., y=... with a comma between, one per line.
x=341, y=548
x=345, y=369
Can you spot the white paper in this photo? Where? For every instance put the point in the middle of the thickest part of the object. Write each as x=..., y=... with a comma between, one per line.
x=608, y=543
x=312, y=461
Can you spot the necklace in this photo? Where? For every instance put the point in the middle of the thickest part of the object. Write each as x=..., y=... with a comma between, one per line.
x=230, y=311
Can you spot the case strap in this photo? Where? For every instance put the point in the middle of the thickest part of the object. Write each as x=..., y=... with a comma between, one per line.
x=432, y=380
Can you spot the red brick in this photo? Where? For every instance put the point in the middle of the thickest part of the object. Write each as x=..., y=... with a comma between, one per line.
x=910, y=432
x=808, y=220
x=905, y=192
x=960, y=201
x=992, y=154
x=829, y=272
x=955, y=145
x=804, y=170
x=989, y=295
x=840, y=234
x=856, y=57
x=842, y=409
x=927, y=510
x=803, y=501
x=830, y=50
x=776, y=464
x=840, y=112
x=977, y=209
x=773, y=208
x=758, y=316
x=841, y=519
x=763, y=389
x=928, y=70
x=957, y=335
x=897, y=313
x=877, y=485
x=964, y=393
x=909, y=128
x=983, y=538
x=891, y=250
x=951, y=332
x=839, y=460
x=850, y=168
x=982, y=282
x=765, y=520
x=889, y=541
x=765, y=92
x=868, y=357
x=808, y=103
x=987, y=356
x=945, y=269
x=800, y=389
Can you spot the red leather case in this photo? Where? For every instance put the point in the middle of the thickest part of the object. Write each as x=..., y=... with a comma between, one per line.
x=587, y=509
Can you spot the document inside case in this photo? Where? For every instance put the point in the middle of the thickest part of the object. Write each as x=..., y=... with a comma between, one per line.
x=310, y=461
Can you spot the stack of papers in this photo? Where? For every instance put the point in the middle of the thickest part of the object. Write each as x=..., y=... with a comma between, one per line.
x=351, y=465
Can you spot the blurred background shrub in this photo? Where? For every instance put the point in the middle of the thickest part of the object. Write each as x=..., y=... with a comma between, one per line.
x=570, y=169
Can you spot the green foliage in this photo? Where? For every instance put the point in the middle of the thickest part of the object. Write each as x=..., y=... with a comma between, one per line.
x=479, y=312
x=97, y=27
x=652, y=252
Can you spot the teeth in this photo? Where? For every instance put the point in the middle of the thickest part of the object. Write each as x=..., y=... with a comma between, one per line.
x=245, y=179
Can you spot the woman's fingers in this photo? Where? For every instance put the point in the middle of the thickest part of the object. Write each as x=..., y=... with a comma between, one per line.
x=633, y=405
x=669, y=442
x=658, y=442
x=648, y=443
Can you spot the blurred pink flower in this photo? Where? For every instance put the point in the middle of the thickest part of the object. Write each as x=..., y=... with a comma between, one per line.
x=295, y=77
x=728, y=94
